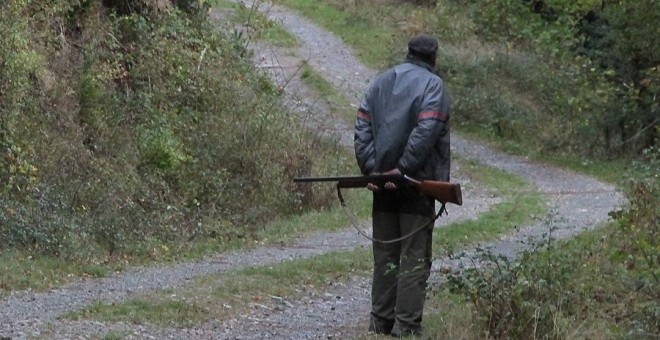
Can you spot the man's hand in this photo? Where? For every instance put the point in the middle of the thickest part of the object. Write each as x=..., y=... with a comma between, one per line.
x=373, y=187
x=388, y=185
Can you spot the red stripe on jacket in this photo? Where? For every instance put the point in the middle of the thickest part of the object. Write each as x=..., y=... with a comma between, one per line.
x=364, y=115
x=432, y=115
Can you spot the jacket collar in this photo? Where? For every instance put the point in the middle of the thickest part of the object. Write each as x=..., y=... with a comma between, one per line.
x=420, y=63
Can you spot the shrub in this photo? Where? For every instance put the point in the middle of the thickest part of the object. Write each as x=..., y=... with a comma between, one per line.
x=565, y=290
x=517, y=299
x=638, y=246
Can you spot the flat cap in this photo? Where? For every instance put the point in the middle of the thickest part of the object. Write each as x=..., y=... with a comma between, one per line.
x=423, y=44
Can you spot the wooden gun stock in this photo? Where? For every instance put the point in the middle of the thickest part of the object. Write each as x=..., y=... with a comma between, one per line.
x=443, y=192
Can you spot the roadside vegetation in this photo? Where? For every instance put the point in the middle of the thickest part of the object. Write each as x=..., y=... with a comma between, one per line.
x=135, y=131
x=571, y=82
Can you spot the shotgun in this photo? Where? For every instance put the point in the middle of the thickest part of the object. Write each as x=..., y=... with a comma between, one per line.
x=443, y=192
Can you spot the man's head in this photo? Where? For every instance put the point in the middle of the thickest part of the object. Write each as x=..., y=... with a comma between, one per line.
x=423, y=47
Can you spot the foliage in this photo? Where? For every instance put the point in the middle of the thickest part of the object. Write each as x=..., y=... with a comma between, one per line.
x=639, y=227
x=578, y=77
x=552, y=76
x=629, y=48
x=603, y=60
x=560, y=291
x=565, y=290
x=128, y=129
x=506, y=299
x=166, y=313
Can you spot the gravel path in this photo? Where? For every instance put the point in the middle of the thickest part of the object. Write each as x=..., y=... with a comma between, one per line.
x=341, y=310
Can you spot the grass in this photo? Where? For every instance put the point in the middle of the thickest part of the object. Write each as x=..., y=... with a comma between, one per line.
x=334, y=219
x=520, y=204
x=336, y=102
x=447, y=316
x=339, y=17
x=502, y=217
x=258, y=25
x=495, y=181
x=20, y=270
x=163, y=313
x=607, y=171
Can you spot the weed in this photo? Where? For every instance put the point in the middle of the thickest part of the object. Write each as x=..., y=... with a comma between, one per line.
x=114, y=336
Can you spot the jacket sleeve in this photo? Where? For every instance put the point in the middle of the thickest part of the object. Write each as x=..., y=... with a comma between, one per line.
x=364, y=138
x=431, y=124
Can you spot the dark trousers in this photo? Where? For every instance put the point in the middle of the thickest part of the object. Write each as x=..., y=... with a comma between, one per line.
x=401, y=269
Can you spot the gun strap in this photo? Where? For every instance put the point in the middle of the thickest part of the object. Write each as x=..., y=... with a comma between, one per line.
x=354, y=222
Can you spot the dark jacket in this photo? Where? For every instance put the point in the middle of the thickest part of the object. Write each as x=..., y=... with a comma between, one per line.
x=403, y=122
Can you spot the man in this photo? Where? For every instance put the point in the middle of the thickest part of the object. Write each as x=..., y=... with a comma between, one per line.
x=402, y=127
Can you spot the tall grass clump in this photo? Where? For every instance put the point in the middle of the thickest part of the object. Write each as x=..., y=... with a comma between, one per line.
x=128, y=126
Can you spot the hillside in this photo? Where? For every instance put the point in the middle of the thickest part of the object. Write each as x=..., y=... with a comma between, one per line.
x=129, y=126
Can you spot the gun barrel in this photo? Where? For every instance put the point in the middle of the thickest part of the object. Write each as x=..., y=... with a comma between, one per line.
x=365, y=179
